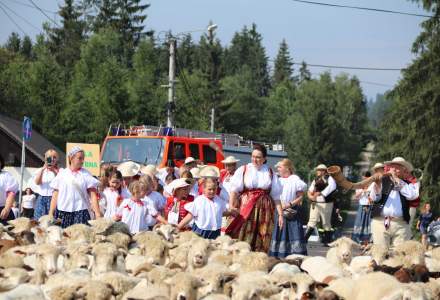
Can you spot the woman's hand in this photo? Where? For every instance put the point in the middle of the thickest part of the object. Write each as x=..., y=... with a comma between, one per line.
x=280, y=221
x=284, y=206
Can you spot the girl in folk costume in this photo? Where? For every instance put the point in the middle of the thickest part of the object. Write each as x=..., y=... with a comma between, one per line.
x=8, y=189
x=206, y=210
x=174, y=209
x=362, y=225
x=255, y=192
x=290, y=238
x=213, y=172
x=226, y=174
x=75, y=192
x=138, y=211
x=130, y=172
x=113, y=194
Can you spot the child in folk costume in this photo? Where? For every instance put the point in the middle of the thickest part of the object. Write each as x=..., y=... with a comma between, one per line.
x=113, y=194
x=130, y=172
x=157, y=199
x=138, y=212
x=226, y=174
x=174, y=208
x=207, y=211
x=75, y=189
x=289, y=239
x=214, y=173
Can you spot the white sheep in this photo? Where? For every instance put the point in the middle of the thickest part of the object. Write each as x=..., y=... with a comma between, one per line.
x=376, y=285
x=22, y=224
x=184, y=286
x=167, y=231
x=252, y=285
x=46, y=261
x=152, y=246
x=77, y=255
x=215, y=277
x=79, y=233
x=24, y=291
x=145, y=291
x=105, y=258
x=198, y=253
x=12, y=277
x=250, y=262
x=341, y=251
x=120, y=283
x=320, y=268
x=343, y=287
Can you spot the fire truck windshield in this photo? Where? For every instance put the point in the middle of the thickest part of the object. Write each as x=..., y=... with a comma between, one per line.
x=141, y=150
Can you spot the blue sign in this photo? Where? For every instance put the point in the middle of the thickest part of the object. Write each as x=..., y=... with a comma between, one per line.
x=27, y=128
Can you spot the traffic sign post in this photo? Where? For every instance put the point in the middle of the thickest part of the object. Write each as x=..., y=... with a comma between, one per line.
x=27, y=134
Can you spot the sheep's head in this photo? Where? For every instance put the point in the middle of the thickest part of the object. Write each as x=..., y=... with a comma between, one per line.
x=378, y=252
x=184, y=286
x=215, y=280
x=198, y=253
x=79, y=233
x=302, y=286
x=47, y=258
x=344, y=249
x=54, y=235
x=156, y=252
x=105, y=257
x=167, y=231
x=77, y=256
x=22, y=224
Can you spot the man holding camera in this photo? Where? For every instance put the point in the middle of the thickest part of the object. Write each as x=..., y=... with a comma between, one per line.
x=42, y=179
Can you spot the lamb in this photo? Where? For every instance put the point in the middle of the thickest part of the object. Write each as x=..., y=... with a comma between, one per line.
x=133, y=261
x=83, y=290
x=407, y=254
x=152, y=246
x=285, y=268
x=46, y=221
x=119, y=282
x=215, y=277
x=79, y=233
x=179, y=256
x=341, y=252
x=100, y=225
x=160, y=273
x=377, y=252
x=185, y=237
x=184, y=286
x=302, y=286
x=253, y=261
x=12, y=277
x=13, y=258
x=319, y=268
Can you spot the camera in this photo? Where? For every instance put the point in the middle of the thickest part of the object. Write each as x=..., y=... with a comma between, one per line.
x=49, y=160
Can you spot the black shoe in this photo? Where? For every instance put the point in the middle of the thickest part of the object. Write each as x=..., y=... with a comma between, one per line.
x=308, y=233
x=327, y=238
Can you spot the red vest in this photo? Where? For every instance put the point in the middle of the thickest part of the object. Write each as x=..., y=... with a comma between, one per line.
x=182, y=211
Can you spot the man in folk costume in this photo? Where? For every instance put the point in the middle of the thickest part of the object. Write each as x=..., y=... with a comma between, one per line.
x=321, y=194
x=226, y=174
x=390, y=224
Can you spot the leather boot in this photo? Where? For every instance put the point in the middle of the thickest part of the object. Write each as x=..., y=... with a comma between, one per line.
x=327, y=238
x=308, y=233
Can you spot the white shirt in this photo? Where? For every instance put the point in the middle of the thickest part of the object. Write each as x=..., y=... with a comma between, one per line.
x=73, y=188
x=292, y=185
x=393, y=206
x=207, y=213
x=370, y=192
x=194, y=190
x=159, y=200
x=331, y=186
x=256, y=179
x=8, y=184
x=44, y=189
x=28, y=201
x=162, y=174
x=111, y=198
x=137, y=216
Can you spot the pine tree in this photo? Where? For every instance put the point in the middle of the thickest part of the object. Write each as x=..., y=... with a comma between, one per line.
x=26, y=47
x=304, y=73
x=13, y=43
x=283, y=64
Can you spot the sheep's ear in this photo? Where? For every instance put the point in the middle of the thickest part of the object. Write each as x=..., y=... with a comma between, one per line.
x=334, y=244
x=65, y=234
x=34, y=223
x=20, y=252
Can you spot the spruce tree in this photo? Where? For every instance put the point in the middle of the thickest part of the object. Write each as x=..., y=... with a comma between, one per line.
x=304, y=73
x=283, y=64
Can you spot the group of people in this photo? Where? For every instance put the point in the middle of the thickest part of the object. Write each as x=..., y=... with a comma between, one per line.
x=252, y=203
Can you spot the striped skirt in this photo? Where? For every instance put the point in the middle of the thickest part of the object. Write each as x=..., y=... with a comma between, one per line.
x=75, y=217
x=289, y=239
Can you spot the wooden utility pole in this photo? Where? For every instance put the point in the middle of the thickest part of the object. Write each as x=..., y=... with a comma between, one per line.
x=171, y=82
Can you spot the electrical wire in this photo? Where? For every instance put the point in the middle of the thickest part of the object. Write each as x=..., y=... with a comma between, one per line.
x=364, y=8
x=31, y=6
x=49, y=18
x=24, y=19
x=13, y=21
x=351, y=67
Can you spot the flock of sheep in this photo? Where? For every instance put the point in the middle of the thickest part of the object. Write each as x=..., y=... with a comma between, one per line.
x=39, y=260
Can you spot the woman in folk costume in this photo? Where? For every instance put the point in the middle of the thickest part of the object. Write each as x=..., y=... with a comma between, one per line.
x=75, y=192
x=226, y=174
x=255, y=192
x=290, y=238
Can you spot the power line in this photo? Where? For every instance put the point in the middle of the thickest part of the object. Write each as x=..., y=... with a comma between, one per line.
x=24, y=19
x=12, y=20
x=364, y=8
x=31, y=6
x=350, y=67
x=37, y=7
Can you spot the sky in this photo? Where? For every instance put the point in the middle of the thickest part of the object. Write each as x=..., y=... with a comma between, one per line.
x=315, y=34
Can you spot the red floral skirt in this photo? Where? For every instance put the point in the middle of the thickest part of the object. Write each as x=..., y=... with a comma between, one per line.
x=256, y=220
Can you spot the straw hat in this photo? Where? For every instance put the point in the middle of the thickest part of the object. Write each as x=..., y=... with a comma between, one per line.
x=321, y=167
x=189, y=160
x=178, y=183
x=129, y=168
x=195, y=173
x=149, y=169
x=377, y=166
x=230, y=160
x=401, y=161
x=209, y=171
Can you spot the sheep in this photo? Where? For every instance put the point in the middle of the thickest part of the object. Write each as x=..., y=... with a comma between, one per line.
x=215, y=297
x=45, y=262
x=22, y=224
x=360, y=265
x=13, y=258
x=179, y=256
x=285, y=268
x=166, y=231
x=302, y=286
x=377, y=252
x=185, y=237
x=132, y=262
x=100, y=225
x=144, y=291
x=52, y=235
x=24, y=292
x=341, y=252
x=77, y=255
x=343, y=287
x=115, y=227
x=215, y=277
x=198, y=253
x=79, y=233
x=152, y=246
x=183, y=286
x=119, y=282
x=121, y=240
x=105, y=258
x=252, y=285
x=160, y=273
x=223, y=242
x=46, y=221
x=240, y=248
x=253, y=261
x=384, y=287
x=319, y=268
x=223, y=257
x=12, y=277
